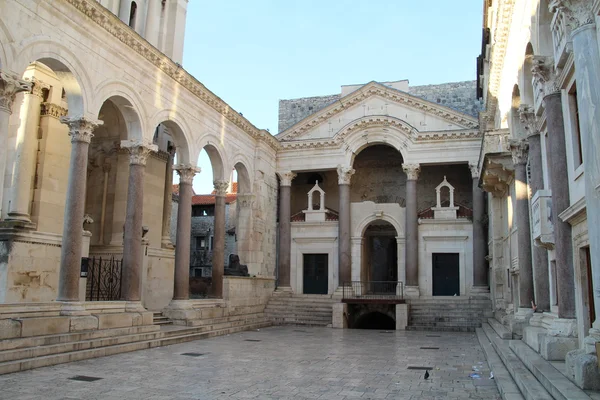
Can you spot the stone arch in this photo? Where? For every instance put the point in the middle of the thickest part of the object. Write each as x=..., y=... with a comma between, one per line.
x=68, y=68
x=364, y=224
x=543, y=36
x=133, y=122
x=179, y=130
x=129, y=104
x=367, y=131
x=5, y=53
x=216, y=154
x=243, y=174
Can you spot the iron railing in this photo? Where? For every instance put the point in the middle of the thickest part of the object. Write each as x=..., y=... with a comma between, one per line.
x=104, y=279
x=373, y=292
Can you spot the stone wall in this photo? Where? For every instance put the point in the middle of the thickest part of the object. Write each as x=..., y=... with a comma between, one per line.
x=458, y=176
x=159, y=269
x=460, y=96
x=245, y=295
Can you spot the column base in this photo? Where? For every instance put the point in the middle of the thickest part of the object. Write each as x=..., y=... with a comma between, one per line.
x=560, y=339
x=165, y=243
x=134, y=306
x=180, y=311
x=284, y=289
x=480, y=292
x=581, y=366
x=411, y=292
x=17, y=224
x=73, y=308
x=519, y=321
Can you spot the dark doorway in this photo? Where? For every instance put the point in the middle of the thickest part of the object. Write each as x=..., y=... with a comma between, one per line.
x=315, y=274
x=446, y=280
x=375, y=320
x=384, y=258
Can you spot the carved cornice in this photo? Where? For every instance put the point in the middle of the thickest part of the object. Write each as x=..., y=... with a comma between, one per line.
x=498, y=52
x=519, y=149
x=412, y=171
x=376, y=89
x=53, y=110
x=344, y=175
x=138, y=151
x=287, y=178
x=186, y=173
x=528, y=120
x=80, y=128
x=220, y=187
x=10, y=85
x=577, y=13
x=114, y=26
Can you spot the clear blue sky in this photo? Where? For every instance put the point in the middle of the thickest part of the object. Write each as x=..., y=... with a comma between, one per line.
x=254, y=53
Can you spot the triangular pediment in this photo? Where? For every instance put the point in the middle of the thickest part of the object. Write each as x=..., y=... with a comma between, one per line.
x=375, y=99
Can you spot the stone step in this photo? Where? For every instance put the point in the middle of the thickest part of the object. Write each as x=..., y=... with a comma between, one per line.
x=301, y=303
x=454, y=313
x=164, y=339
x=441, y=329
x=558, y=385
x=292, y=321
x=500, y=329
x=18, y=343
x=208, y=326
x=529, y=386
x=304, y=306
x=299, y=313
x=297, y=310
x=447, y=324
x=506, y=385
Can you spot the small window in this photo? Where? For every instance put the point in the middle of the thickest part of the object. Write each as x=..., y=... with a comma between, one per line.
x=575, y=127
x=200, y=242
x=132, y=14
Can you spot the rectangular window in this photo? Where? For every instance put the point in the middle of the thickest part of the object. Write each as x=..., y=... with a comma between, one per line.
x=575, y=127
x=200, y=242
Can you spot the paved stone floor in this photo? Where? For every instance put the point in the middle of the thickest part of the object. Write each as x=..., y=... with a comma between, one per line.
x=275, y=363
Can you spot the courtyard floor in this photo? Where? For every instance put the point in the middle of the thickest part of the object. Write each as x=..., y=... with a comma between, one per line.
x=276, y=363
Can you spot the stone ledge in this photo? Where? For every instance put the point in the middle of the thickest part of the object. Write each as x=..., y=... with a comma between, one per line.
x=500, y=329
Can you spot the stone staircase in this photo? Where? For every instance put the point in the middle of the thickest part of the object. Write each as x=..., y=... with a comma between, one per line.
x=159, y=319
x=285, y=308
x=521, y=373
x=20, y=354
x=450, y=314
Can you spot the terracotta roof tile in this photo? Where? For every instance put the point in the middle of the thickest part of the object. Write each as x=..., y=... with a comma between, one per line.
x=209, y=199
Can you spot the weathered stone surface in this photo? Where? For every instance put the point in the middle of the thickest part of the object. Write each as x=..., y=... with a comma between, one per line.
x=116, y=320
x=10, y=328
x=83, y=323
x=339, y=315
x=44, y=326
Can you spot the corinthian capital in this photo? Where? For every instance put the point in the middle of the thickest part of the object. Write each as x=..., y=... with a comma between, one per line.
x=412, y=171
x=186, y=173
x=138, y=151
x=287, y=178
x=577, y=13
x=37, y=87
x=81, y=129
x=544, y=75
x=344, y=175
x=11, y=84
x=527, y=118
x=519, y=149
x=474, y=170
x=221, y=187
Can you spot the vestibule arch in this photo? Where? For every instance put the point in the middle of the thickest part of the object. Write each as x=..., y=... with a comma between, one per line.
x=178, y=130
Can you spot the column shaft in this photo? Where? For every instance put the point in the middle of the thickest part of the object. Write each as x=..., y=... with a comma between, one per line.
x=480, y=268
x=541, y=284
x=523, y=237
x=184, y=230
x=218, y=258
x=559, y=182
x=344, y=254
x=167, y=203
x=285, y=233
x=587, y=65
x=412, y=232
x=70, y=257
x=4, y=121
x=25, y=155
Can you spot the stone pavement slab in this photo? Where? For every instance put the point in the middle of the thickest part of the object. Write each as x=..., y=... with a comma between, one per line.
x=275, y=363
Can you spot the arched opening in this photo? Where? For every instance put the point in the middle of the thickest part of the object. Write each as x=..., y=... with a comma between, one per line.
x=132, y=14
x=240, y=227
x=380, y=256
x=544, y=31
x=375, y=320
x=379, y=176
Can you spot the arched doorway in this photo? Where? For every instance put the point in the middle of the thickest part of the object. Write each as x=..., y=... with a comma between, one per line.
x=380, y=255
x=375, y=320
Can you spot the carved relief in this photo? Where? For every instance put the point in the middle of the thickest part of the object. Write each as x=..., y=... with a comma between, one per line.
x=53, y=110
x=412, y=171
x=287, y=178
x=474, y=170
x=11, y=84
x=519, y=150
x=138, y=151
x=344, y=175
x=186, y=173
x=577, y=13
x=527, y=118
x=220, y=187
x=544, y=75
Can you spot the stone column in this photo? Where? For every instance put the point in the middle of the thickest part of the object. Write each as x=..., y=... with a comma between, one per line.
x=285, y=229
x=412, y=230
x=25, y=154
x=167, y=202
x=519, y=150
x=184, y=230
x=580, y=18
x=10, y=85
x=218, y=258
x=541, y=285
x=344, y=249
x=80, y=130
x=480, y=267
x=132, y=241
